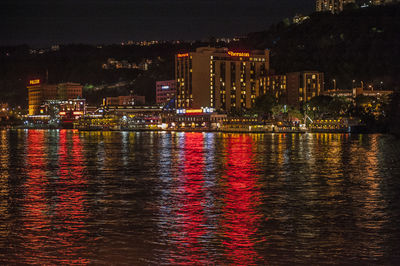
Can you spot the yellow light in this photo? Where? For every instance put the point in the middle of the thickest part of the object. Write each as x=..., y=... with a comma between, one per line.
x=182, y=55
x=34, y=81
x=192, y=111
x=238, y=54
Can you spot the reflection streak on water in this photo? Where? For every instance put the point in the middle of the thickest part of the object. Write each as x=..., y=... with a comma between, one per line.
x=189, y=217
x=70, y=213
x=35, y=217
x=4, y=187
x=241, y=198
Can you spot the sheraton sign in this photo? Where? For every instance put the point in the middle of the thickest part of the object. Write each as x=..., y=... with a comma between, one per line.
x=239, y=54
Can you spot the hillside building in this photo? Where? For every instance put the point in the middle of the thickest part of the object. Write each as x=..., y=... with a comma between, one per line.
x=333, y=6
x=165, y=91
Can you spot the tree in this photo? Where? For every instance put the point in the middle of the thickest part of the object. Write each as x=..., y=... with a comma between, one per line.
x=318, y=106
x=339, y=106
x=264, y=104
x=294, y=113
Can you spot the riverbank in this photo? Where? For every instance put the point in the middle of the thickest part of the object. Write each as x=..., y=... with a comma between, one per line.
x=227, y=130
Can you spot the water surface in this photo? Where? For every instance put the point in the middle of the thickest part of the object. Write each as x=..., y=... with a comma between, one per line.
x=69, y=197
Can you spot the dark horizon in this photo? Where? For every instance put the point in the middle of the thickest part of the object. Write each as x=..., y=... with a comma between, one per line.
x=43, y=22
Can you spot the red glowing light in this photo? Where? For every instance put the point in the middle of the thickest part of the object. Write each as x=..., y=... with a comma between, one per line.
x=182, y=55
x=190, y=216
x=36, y=222
x=241, y=219
x=54, y=224
x=70, y=209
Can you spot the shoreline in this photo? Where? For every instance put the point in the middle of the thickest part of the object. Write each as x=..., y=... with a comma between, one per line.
x=199, y=130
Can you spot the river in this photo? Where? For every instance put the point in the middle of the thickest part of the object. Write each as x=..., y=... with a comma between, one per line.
x=151, y=198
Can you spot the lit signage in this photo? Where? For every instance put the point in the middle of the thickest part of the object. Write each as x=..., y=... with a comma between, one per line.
x=34, y=82
x=78, y=113
x=238, y=54
x=62, y=113
x=164, y=87
x=194, y=111
x=182, y=55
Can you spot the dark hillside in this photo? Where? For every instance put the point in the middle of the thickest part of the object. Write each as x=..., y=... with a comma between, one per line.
x=359, y=44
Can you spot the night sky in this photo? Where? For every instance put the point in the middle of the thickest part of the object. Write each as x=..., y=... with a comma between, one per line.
x=44, y=22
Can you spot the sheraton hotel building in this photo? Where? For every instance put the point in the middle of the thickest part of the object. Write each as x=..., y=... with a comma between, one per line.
x=228, y=80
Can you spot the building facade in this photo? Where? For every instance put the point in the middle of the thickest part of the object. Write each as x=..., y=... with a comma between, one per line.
x=124, y=100
x=219, y=78
x=165, y=91
x=69, y=90
x=381, y=2
x=39, y=92
x=64, y=109
x=274, y=85
x=334, y=6
x=302, y=86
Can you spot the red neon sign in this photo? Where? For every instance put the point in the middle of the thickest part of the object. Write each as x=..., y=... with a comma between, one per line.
x=182, y=55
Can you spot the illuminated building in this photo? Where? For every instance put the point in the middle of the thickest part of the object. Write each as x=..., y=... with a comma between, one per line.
x=165, y=91
x=203, y=118
x=219, y=78
x=274, y=85
x=334, y=6
x=38, y=93
x=298, y=19
x=380, y=2
x=357, y=91
x=4, y=110
x=73, y=108
x=124, y=100
x=302, y=86
x=69, y=91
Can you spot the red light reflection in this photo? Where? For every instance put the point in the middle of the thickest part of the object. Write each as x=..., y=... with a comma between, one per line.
x=242, y=197
x=70, y=212
x=54, y=235
x=36, y=223
x=190, y=216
